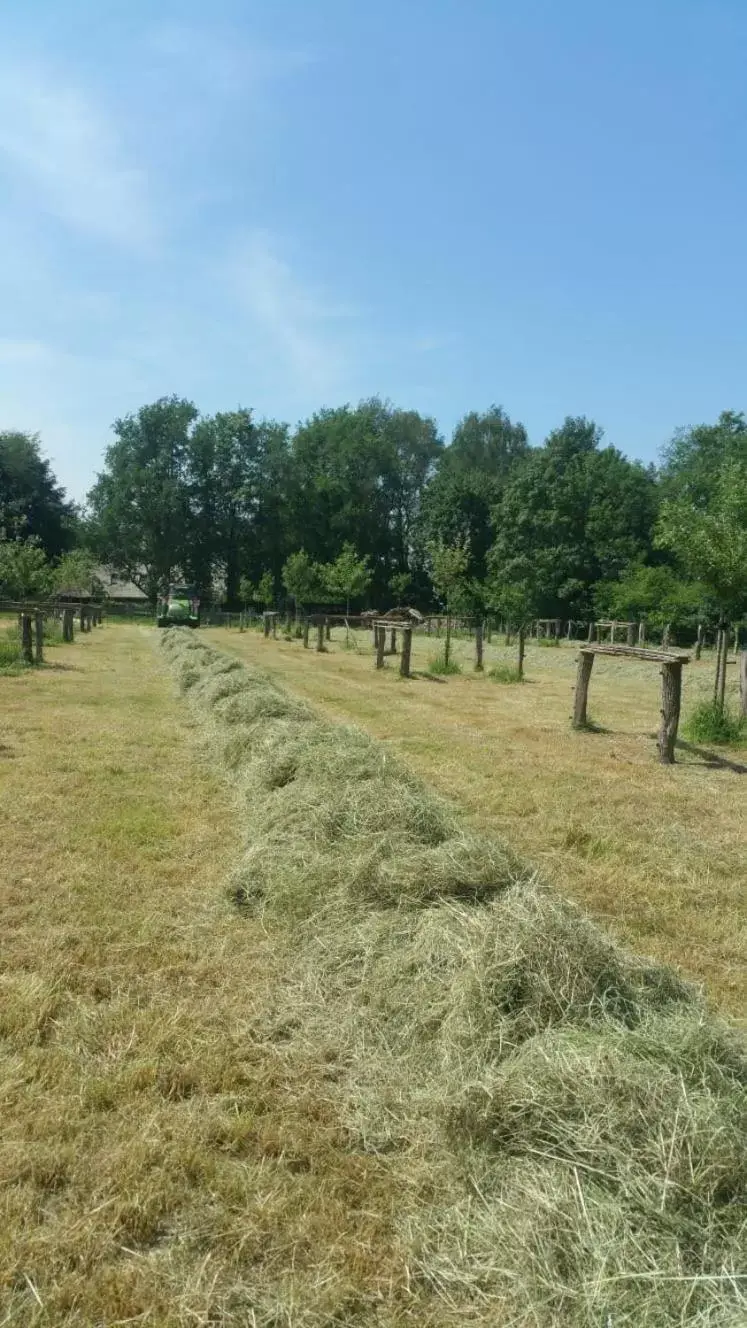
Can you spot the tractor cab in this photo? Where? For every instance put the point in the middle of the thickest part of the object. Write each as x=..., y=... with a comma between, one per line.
x=179, y=607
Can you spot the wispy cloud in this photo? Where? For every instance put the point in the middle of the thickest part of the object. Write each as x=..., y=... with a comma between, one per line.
x=295, y=319
x=226, y=62
x=56, y=141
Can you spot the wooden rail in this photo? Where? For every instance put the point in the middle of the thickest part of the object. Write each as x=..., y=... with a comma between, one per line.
x=671, y=689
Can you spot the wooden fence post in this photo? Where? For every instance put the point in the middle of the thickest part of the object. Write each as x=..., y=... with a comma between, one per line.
x=743, y=682
x=404, y=663
x=393, y=641
x=380, y=645
x=642, y=633
x=27, y=643
x=699, y=641
x=68, y=631
x=327, y=630
x=522, y=643
x=320, y=635
x=39, y=638
x=671, y=696
x=306, y=632
x=266, y=625
x=478, y=645
x=631, y=634
x=583, y=676
x=590, y=633
x=82, y=614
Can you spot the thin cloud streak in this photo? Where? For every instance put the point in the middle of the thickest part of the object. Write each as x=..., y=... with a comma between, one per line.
x=55, y=140
x=291, y=316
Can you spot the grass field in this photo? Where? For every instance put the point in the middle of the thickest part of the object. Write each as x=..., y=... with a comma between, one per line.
x=171, y=1153
x=660, y=854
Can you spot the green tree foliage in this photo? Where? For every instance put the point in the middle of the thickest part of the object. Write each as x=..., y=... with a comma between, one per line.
x=140, y=514
x=708, y=536
x=77, y=571
x=265, y=592
x=348, y=577
x=703, y=520
x=656, y=594
x=302, y=578
x=24, y=570
x=32, y=504
x=449, y=566
x=358, y=476
x=399, y=584
x=485, y=451
x=571, y=515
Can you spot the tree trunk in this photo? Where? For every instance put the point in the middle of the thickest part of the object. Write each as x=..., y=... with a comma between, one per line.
x=380, y=644
x=478, y=645
x=320, y=636
x=671, y=695
x=722, y=650
x=583, y=676
x=306, y=632
x=266, y=625
x=520, y=661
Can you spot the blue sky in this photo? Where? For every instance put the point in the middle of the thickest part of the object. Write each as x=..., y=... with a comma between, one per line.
x=290, y=203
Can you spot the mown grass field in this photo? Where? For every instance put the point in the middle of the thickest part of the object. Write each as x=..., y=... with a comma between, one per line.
x=172, y=1151
x=162, y=1160
x=659, y=854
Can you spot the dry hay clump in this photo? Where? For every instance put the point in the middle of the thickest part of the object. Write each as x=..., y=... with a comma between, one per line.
x=569, y=1123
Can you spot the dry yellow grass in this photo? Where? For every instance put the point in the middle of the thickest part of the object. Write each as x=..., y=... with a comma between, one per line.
x=164, y=1159
x=658, y=853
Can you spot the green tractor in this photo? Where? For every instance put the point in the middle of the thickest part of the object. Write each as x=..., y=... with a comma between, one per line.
x=180, y=607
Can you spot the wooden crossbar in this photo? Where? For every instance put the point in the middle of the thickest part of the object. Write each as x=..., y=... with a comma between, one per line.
x=637, y=652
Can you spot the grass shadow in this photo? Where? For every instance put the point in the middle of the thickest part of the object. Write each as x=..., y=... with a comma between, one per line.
x=420, y=676
x=713, y=760
x=591, y=726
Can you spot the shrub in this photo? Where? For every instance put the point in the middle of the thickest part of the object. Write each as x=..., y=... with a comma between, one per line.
x=505, y=673
x=440, y=665
x=10, y=651
x=548, y=642
x=710, y=723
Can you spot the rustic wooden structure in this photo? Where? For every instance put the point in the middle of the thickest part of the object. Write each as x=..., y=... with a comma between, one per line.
x=671, y=689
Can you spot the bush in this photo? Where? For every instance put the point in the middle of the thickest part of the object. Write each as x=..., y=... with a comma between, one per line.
x=440, y=665
x=10, y=651
x=505, y=673
x=548, y=642
x=710, y=723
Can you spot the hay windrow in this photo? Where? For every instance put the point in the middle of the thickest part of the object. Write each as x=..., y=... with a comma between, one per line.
x=568, y=1121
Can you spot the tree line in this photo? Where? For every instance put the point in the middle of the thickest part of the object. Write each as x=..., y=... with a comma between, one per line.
x=367, y=506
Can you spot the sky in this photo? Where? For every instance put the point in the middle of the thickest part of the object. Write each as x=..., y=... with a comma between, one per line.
x=285, y=204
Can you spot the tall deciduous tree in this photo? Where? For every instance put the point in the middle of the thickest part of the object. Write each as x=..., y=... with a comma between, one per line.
x=574, y=514
x=140, y=503
x=457, y=506
x=32, y=504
